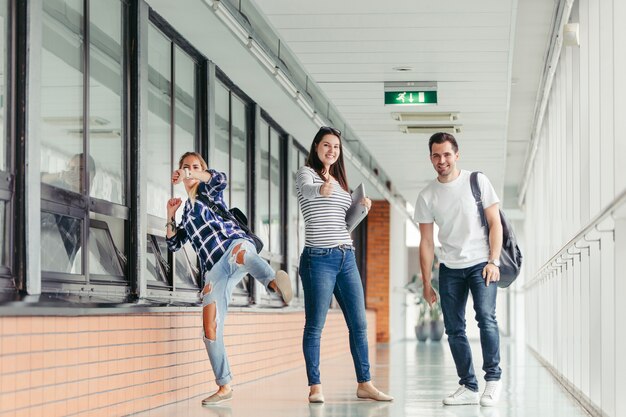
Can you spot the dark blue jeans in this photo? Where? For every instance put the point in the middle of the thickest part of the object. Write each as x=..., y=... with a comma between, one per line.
x=324, y=272
x=454, y=285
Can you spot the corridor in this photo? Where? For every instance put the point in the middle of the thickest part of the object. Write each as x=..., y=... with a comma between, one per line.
x=416, y=374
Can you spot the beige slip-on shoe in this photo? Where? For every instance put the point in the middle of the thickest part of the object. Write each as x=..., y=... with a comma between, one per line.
x=284, y=286
x=316, y=398
x=216, y=398
x=373, y=395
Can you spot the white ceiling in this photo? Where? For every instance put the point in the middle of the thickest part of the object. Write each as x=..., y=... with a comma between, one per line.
x=472, y=49
x=349, y=47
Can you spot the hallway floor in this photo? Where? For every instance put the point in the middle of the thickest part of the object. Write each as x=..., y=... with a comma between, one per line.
x=418, y=375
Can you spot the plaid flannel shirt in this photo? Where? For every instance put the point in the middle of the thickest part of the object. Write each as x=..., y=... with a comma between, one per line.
x=210, y=235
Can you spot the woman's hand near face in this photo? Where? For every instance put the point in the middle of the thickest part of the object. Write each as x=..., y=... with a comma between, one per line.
x=172, y=205
x=178, y=176
x=326, y=189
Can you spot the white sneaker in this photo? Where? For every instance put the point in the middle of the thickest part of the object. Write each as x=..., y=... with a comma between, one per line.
x=492, y=394
x=462, y=396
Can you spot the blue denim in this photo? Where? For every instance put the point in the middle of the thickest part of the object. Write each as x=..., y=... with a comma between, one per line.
x=454, y=285
x=324, y=272
x=223, y=277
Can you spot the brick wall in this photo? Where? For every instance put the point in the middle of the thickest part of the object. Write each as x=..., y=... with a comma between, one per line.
x=114, y=365
x=377, y=291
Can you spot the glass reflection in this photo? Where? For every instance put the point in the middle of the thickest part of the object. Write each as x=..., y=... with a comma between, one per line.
x=220, y=160
x=61, y=241
x=184, y=109
x=276, y=237
x=106, y=94
x=61, y=87
x=159, y=122
x=238, y=182
x=263, y=210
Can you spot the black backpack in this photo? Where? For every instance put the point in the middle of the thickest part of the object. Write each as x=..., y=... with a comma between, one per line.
x=236, y=216
x=510, y=256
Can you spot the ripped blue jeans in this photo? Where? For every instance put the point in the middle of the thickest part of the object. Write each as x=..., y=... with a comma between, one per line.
x=239, y=259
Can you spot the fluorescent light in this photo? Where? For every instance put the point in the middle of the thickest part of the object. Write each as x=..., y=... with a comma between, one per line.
x=261, y=55
x=286, y=82
x=230, y=21
x=318, y=120
x=452, y=129
x=425, y=116
x=308, y=109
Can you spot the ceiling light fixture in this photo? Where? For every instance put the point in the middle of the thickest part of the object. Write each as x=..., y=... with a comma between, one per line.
x=304, y=104
x=431, y=129
x=318, y=120
x=286, y=82
x=230, y=21
x=425, y=117
x=262, y=56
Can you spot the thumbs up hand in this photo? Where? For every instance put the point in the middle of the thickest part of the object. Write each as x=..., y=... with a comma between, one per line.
x=326, y=189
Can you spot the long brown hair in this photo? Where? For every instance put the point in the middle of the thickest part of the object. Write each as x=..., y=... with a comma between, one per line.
x=338, y=169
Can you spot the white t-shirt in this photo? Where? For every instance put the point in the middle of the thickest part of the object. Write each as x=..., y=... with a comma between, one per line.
x=451, y=205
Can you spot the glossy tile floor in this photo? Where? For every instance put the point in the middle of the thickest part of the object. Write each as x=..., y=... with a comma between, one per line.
x=418, y=375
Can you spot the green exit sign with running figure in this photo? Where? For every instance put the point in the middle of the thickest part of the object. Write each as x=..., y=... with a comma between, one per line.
x=410, y=97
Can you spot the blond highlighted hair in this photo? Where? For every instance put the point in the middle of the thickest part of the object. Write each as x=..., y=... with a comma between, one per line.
x=193, y=191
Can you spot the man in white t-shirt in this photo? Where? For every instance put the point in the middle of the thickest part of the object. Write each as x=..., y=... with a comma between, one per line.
x=468, y=262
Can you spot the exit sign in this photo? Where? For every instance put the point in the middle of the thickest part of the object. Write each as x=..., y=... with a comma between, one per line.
x=410, y=97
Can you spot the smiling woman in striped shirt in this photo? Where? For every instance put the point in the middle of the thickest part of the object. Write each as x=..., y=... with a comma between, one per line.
x=327, y=264
x=226, y=254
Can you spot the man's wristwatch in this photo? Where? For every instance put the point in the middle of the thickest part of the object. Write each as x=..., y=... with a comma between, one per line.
x=495, y=262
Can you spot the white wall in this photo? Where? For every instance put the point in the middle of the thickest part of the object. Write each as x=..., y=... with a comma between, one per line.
x=398, y=275
x=571, y=311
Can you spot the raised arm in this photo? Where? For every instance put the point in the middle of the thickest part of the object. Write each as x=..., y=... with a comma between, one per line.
x=304, y=183
x=176, y=237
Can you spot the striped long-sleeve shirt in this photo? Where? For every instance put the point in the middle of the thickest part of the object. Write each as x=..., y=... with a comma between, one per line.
x=324, y=217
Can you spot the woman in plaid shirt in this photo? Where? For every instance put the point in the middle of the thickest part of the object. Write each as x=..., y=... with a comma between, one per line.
x=226, y=254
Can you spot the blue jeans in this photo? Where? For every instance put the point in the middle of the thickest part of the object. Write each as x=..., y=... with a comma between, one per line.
x=223, y=277
x=324, y=272
x=454, y=285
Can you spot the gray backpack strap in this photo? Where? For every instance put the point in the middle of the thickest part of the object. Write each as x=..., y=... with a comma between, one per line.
x=478, y=198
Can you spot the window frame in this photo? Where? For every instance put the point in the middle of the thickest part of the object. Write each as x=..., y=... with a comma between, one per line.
x=294, y=257
x=59, y=201
x=243, y=293
x=155, y=224
x=16, y=14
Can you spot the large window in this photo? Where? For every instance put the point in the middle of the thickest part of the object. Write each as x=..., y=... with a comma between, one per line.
x=231, y=156
x=296, y=221
x=172, y=131
x=231, y=144
x=83, y=159
x=270, y=224
x=270, y=210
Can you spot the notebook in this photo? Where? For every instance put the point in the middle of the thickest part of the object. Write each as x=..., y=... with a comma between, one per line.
x=357, y=211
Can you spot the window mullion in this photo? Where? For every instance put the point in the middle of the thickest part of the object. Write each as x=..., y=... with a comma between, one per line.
x=86, y=160
x=171, y=255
